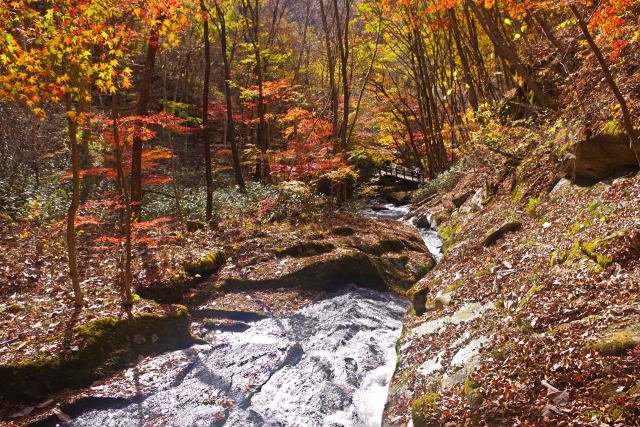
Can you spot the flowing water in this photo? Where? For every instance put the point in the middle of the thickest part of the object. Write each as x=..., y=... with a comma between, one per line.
x=432, y=239
x=328, y=364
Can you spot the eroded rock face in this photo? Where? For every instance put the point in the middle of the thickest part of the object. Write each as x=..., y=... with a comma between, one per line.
x=604, y=155
x=380, y=254
x=495, y=235
x=440, y=368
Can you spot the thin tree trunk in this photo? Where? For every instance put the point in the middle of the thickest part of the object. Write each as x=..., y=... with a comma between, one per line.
x=331, y=63
x=262, y=165
x=304, y=42
x=230, y=131
x=141, y=110
x=626, y=115
x=127, y=297
x=366, y=79
x=84, y=153
x=72, y=121
x=205, y=112
x=343, y=44
x=505, y=51
x=176, y=193
x=473, y=97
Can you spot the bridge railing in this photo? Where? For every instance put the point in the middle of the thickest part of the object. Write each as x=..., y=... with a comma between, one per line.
x=400, y=172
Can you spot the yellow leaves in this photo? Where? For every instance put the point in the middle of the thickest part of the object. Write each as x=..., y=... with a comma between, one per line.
x=62, y=79
x=72, y=115
x=40, y=113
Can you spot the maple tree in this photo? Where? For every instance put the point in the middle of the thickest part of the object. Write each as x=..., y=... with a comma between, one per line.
x=58, y=65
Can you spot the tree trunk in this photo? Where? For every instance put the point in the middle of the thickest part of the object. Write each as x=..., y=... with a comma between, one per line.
x=252, y=20
x=72, y=122
x=366, y=79
x=331, y=63
x=343, y=45
x=84, y=153
x=473, y=97
x=176, y=193
x=230, y=131
x=127, y=297
x=504, y=51
x=296, y=72
x=205, y=112
x=626, y=115
x=141, y=110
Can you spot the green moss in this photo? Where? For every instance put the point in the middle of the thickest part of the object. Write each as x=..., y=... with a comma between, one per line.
x=519, y=191
x=474, y=397
x=192, y=272
x=421, y=408
x=455, y=286
x=532, y=291
x=589, y=249
x=105, y=345
x=450, y=233
x=613, y=129
x=206, y=264
x=532, y=205
x=558, y=256
x=618, y=343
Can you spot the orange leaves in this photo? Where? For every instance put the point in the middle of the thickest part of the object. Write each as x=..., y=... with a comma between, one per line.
x=156, y=180
x=92, y=172
x=148, y=225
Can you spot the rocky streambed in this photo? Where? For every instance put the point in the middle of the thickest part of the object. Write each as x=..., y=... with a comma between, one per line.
x=329, y=362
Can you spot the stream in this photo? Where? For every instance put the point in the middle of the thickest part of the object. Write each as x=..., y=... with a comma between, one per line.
x=327, y=364
x=429, y=233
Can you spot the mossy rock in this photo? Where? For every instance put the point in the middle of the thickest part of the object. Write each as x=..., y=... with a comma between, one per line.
x=604, y=155
x=474, y=397
x=441, y=301
x=194, y=225
x=207, y=264
x=383, y=246
x=194, y=271
x=618, y=343
x=418, y=297
x=421, y=409
x=496, y=234
x=354, y=267
x=305, y=249
x=106, y=345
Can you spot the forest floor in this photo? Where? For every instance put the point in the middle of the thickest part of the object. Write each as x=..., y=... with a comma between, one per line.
x=540, y=327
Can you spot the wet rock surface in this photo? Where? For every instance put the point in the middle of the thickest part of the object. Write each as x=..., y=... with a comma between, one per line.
x=326, y=364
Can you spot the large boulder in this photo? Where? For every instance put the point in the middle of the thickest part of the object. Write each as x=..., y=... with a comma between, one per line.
x=604, y=155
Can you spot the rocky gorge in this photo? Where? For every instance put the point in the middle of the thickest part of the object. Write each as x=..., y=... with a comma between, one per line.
x=373, y=319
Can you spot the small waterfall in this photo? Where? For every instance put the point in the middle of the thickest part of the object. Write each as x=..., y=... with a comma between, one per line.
x=327, y=364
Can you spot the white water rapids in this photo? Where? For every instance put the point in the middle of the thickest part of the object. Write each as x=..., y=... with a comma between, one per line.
x=327, y=364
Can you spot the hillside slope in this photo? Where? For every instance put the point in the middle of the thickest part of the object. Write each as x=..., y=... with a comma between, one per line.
x=533, y=314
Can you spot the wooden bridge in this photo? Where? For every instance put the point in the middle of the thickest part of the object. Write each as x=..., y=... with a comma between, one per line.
x=400, y=173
